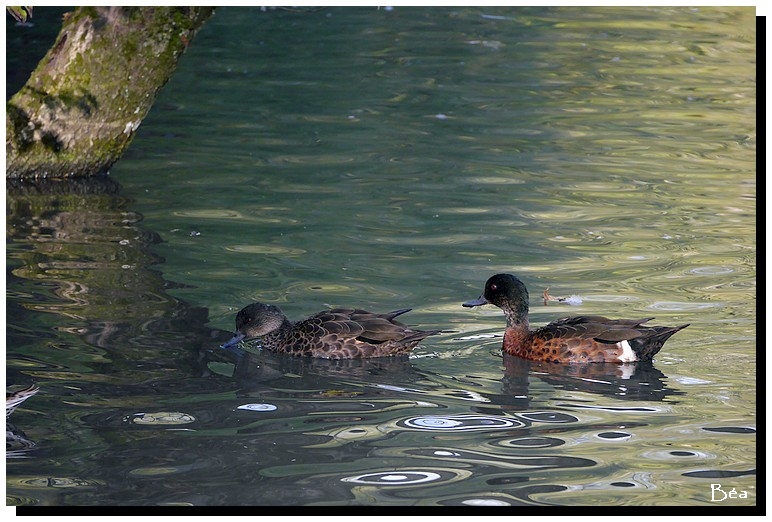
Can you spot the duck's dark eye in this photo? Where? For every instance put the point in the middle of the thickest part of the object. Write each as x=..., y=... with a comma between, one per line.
x=493, y=287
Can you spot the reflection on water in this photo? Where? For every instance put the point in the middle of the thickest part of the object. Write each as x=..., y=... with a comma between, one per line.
x=16, y=442
x=640, y=381
x=396, y=159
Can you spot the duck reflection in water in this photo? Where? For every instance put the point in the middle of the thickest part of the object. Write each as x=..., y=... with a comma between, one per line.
x=252, y=370
x=639, y=381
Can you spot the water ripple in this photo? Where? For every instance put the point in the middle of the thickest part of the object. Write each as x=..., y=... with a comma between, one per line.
x=258, y=407
x=675, y=306
x=396, y=478
x=548, y=416
x=407, y=477
x=497, y=459
x=162, y=418
x=719, y=473
x=616, y=436
x=531, y=442
x=265, y=249
x=460, y=423
x=668, y=455
x=712, y=270
x=732, y=429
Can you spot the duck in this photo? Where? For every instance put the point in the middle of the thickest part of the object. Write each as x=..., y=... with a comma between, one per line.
x=578, y=339
x=338, y=333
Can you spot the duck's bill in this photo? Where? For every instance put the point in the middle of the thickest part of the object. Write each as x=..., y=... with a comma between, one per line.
x=236, y=339
x=475, y=302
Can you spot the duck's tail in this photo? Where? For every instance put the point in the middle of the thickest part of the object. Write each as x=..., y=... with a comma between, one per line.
x=647, y=346
x=395, y=313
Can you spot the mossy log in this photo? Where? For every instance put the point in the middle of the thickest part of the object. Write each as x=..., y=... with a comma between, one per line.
x=82, y=105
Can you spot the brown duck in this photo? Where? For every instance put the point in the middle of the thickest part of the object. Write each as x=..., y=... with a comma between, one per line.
x=584, y=338
x=340, y=333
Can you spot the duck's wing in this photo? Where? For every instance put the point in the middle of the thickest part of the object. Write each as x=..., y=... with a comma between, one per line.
x=337, y=322
x=596, y=327
x=379, y=328
x=351, y=323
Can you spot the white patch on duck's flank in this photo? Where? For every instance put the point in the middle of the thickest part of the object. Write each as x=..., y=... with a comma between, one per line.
x=628, y=355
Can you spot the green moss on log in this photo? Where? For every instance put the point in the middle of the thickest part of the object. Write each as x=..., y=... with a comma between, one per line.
x=80, y=109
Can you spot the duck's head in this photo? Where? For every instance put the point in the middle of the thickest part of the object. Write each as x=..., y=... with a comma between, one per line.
x=505, y=291
x=256, y=320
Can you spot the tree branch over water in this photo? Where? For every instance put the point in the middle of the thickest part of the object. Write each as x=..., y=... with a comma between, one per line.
x=79, y=110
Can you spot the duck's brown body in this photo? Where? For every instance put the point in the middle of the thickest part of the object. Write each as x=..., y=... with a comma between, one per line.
x=588, y=339
x=340, y=333
x=580, y=339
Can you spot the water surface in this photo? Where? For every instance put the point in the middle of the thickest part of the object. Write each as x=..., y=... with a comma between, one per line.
x=387, y=159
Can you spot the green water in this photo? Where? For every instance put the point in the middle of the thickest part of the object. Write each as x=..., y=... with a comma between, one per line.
x=397, y=158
